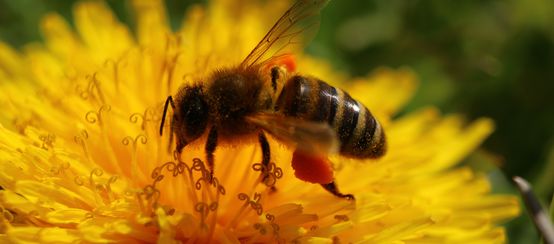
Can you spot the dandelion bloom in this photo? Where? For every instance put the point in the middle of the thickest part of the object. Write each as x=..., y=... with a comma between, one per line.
x=82, y=161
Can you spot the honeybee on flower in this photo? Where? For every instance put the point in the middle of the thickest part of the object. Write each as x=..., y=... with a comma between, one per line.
x=82, y=159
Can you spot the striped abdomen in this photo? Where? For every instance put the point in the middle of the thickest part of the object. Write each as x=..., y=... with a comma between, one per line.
x=360, y=134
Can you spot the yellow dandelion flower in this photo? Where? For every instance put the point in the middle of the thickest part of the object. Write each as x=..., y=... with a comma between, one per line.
x=82, y=161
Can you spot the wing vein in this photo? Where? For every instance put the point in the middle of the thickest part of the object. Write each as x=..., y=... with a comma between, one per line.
x=298, y=19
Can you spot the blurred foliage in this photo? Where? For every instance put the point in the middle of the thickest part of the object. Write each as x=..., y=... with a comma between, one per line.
x=552, y=208
x=491, y=58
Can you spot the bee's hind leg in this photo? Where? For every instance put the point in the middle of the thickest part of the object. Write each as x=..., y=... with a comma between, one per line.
x=211, y=144
x=332, y=188
x=266, y=157
x=274, y=77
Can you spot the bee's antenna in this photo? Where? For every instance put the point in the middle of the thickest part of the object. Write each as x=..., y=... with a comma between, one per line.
x=538, y=215
x=168, y=101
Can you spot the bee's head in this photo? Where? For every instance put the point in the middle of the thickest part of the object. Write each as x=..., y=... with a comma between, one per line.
x=191, y=114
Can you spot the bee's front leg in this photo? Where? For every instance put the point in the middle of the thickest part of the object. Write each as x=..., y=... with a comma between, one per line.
x=266, y=157
x=211, y=145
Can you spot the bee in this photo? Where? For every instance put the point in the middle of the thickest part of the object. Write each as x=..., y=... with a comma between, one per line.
x=263, y=95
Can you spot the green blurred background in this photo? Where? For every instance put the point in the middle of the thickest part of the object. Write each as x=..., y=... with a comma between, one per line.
x=491, y=58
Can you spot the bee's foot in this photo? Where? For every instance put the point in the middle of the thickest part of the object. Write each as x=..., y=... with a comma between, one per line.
x=332, y=188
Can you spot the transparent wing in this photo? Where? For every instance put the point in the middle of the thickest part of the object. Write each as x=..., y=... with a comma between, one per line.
x=295, y=27
x=306, y=136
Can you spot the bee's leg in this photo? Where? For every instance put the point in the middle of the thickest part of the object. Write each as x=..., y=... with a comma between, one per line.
x=266, y=156
x=274, y=77
x=181, y=143
x=211, y=144
x=332, y=188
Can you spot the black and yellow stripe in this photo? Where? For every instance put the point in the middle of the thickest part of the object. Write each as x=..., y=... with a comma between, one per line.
x=360, y=134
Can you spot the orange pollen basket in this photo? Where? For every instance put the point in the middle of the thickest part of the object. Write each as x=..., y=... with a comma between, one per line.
x=312, y=168
x=286, y=60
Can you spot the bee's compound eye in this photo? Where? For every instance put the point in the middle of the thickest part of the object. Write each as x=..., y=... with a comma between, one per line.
x=194, y=113
x=312, y=168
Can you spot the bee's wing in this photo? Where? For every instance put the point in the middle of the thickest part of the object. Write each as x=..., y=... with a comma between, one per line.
x=307, y=136
x=300, y=20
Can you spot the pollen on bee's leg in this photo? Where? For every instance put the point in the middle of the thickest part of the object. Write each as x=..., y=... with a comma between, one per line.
x=289, y=62
x=312, y=168
x=286, y=60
